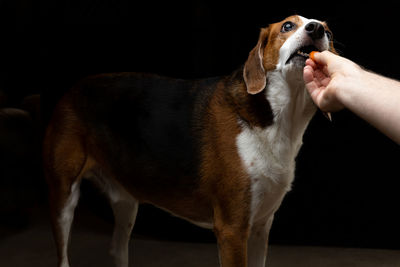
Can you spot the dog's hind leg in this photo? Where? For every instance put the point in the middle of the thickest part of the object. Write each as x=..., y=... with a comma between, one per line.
x=63, y=197
x=125, y=208
x=65, y=161
x=125, y=215
x=62, y=222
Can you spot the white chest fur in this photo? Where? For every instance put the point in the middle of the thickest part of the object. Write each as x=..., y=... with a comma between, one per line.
x=268, y=154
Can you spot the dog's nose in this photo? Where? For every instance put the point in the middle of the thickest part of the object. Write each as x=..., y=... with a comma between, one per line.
x=315, y=30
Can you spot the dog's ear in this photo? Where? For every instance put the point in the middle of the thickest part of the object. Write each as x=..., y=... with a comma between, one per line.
x=330, y=38
x=254, y=73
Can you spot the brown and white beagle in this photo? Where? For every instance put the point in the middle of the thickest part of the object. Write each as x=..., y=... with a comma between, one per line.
x=218, y=152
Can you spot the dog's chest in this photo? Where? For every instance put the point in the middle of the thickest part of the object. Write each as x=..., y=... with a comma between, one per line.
x=268, y=157
x=268, y=154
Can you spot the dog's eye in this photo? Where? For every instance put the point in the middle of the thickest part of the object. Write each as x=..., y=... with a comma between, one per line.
x=328, y=35
x=288, y=26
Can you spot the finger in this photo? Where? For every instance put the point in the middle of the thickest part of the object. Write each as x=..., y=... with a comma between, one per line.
x=308, y=74
x=319, y=75
x=321, y=78
x=316, y=77
x=323, y=58
x=311, y=63
x=319, y=58
x=311, y=83
x=325, y=70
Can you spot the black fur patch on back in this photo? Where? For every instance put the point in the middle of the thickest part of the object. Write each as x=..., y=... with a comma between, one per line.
x=146, y=125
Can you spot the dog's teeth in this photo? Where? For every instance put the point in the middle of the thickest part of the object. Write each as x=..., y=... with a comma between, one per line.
x=303, y=54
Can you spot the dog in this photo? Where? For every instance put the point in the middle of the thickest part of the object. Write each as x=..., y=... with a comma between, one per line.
x=218, y=152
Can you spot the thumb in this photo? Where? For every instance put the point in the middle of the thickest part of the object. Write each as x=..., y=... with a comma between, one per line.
x=322, y=59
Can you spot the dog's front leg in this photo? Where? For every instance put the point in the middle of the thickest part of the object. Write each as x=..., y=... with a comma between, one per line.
x=232, y=247
x=258, y=242
x=232, y=239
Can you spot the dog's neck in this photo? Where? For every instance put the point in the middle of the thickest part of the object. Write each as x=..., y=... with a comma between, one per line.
x=279, y=114
x=290, y=102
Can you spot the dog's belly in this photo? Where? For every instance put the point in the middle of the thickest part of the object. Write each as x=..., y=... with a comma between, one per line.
x=186, y=203
x=205, y=221
x=168, y=179
x=182, y=201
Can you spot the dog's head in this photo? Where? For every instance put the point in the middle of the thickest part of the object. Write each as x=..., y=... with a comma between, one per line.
x=282, y=46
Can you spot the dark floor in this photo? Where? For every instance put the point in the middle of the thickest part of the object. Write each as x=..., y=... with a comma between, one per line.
x=34, y=247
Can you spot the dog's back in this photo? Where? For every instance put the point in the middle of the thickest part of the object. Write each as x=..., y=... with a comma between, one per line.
x=143, y=124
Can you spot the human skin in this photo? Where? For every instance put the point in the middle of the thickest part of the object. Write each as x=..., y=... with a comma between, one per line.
x=335, y=82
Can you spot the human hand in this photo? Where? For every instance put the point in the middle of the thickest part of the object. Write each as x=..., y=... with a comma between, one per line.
x=335, y=82
x=325, y=77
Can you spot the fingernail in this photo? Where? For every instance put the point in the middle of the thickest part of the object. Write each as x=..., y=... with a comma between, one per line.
x=328, y=115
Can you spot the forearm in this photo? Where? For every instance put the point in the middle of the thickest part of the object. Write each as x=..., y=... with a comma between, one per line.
x=376, y=99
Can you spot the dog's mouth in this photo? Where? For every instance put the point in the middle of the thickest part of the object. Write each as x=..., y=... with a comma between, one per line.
x=302, y=53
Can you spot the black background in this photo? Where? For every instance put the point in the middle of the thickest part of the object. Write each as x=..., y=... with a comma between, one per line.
x=346, y=191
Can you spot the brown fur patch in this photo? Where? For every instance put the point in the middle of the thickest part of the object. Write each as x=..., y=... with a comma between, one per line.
x=276, y=39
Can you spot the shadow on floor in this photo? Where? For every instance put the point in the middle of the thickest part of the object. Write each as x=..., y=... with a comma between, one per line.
x=90, y=241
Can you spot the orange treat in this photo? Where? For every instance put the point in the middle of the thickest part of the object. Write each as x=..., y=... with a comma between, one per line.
x=312, y=54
